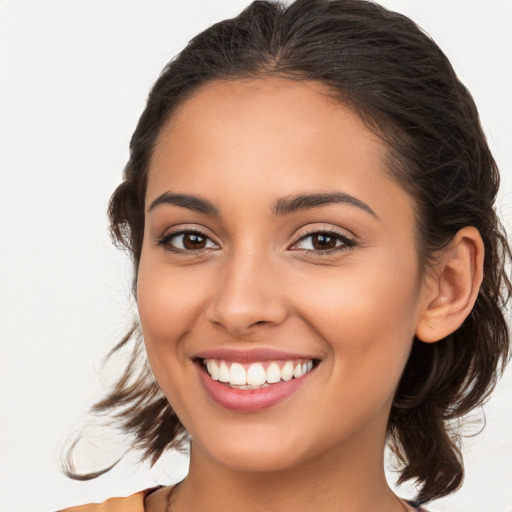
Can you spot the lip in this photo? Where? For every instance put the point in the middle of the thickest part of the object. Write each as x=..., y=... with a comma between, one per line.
x=249, y=400
x=251, y=356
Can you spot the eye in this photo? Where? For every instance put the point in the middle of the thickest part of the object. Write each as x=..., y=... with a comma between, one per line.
x=324, y=241
x=189, y=240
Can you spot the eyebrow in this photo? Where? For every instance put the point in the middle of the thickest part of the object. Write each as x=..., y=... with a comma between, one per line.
x=196, y=203
x=283, y=206
x=300, y=202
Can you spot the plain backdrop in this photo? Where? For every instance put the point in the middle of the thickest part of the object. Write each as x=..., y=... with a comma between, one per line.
x=73, y=79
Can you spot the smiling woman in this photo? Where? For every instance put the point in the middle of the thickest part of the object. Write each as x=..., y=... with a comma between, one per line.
x=289, y=290
x=309, y=206
x=308, y=219
x=318, y=266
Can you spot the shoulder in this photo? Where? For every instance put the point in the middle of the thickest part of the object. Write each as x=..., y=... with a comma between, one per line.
x=132, y=503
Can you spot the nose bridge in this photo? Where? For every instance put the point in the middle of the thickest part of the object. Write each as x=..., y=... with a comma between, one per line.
x=248, y=292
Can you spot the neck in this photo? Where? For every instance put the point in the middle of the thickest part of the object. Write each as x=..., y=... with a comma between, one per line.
x=349, y=478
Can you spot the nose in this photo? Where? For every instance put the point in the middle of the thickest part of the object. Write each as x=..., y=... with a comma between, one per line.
x=248, y=297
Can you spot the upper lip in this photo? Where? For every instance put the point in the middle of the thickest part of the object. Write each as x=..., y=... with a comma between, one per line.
x=250, y=355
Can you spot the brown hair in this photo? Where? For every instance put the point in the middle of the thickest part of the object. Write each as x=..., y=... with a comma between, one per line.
x=404, y=88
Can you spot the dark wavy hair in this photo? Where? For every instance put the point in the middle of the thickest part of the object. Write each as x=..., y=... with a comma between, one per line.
x=403, y=87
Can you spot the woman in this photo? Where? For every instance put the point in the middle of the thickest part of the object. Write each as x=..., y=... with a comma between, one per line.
x=318, y=266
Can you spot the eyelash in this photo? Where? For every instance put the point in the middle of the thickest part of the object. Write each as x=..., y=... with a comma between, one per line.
x=346, y=242
x=165, y=240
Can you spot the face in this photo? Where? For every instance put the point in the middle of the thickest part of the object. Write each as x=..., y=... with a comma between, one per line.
x=278, y=257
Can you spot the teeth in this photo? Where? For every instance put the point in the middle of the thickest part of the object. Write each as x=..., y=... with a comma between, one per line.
x=287, y=371
x=249, y=386
x=273, y=373
x=223, y=372
x=213, y=370
x=237, y=375
x=255, y=376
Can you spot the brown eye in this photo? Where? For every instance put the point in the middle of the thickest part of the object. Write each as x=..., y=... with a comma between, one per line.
x=324, y=242
x=193, y=241
x=186, y=241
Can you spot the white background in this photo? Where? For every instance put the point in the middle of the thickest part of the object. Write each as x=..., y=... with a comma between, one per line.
x=74, y=77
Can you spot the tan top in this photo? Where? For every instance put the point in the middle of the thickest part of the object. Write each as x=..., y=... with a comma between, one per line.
x=135, y=503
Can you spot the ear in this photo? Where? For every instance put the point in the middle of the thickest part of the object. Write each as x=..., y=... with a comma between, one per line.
x=453, y=286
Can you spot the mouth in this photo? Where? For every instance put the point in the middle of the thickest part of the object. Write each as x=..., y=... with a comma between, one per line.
x=256, y=375
x=253, y=386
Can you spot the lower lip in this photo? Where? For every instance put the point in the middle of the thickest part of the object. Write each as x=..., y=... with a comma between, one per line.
x=249, y=400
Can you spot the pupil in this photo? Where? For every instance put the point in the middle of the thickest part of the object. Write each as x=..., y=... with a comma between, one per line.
x=191, y=241
x=324, y=242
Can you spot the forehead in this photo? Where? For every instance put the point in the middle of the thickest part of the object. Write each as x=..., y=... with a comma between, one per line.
x=267, y=137
x=262, y=114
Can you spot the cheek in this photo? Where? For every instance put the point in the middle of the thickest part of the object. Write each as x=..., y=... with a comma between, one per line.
x=367, y=322
x=164, y=317
x=366, y=312
x=168, y=305
x=166, y=300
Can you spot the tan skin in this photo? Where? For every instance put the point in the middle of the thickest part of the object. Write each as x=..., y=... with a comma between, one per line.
x=354, y=302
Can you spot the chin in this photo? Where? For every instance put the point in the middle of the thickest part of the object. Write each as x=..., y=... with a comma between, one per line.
x=253, y=460
x=257, y=448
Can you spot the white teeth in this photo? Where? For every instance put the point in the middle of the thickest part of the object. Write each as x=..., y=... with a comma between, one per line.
x=255, y=376
x=213, y=370
x=223, y=372
x=287, y=371
x=249, y=386
x=237, y=375
x=273, y=373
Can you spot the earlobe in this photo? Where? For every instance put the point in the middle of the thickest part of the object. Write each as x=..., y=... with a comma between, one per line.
x=453, y=286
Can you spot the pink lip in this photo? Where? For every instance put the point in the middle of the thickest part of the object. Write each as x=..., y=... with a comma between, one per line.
x=250, y=356
x=249, y=400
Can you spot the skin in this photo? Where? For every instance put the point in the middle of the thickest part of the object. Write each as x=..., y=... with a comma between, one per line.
x=259, y=282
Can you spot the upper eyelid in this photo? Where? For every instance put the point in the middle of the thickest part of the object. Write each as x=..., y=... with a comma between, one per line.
x=335, y=231
x=162, y=240
x=332, y=231
x=311, y=231
x=167, y=236
x=187, y=229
